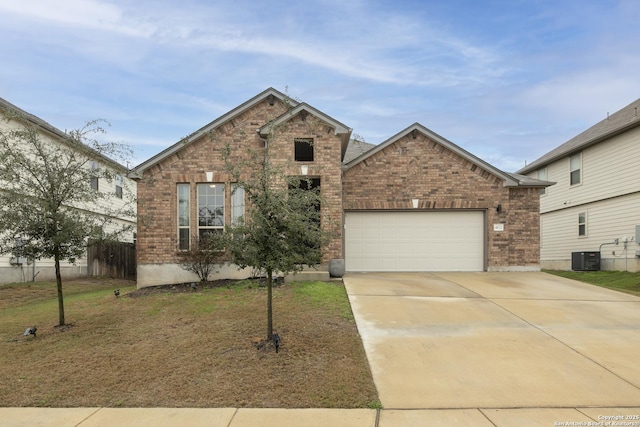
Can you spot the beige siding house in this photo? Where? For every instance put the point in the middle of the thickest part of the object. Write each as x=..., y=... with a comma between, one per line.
x=595, y=204
x=14, y=269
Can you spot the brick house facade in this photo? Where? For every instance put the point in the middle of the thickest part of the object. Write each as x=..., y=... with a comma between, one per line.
x=414, y=165
x=419, y=165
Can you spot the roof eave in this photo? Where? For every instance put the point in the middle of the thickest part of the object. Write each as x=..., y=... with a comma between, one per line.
x=339, y=128
x=526, y=181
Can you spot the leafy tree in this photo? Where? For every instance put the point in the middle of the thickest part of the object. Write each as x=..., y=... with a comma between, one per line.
x=47, y=200
x=204, y=254
x=281, y=231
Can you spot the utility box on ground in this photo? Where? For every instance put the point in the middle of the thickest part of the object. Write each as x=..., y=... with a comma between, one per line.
x=585, y=261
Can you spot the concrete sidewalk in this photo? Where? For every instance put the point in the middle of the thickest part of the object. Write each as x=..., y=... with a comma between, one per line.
x=230, y=417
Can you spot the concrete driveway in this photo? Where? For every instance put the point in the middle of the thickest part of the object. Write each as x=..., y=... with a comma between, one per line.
x=498, y=341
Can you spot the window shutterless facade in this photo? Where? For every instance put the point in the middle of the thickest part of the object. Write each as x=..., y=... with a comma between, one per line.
x=184, y=207
x=575, y=169
x=210, y=209
x=582, y=224
x=237, y=204
x=119, y=186
x=95, y=170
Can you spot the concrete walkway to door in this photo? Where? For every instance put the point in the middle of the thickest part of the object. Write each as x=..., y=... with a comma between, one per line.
x=511, y=348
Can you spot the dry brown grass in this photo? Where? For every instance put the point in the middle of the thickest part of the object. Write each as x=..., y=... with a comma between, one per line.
x=181, y=348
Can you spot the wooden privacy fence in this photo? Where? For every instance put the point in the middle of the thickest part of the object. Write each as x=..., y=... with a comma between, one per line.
x=112, y=259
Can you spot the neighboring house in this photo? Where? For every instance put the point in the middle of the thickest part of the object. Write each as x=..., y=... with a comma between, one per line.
x=14, y=269
x=416, y=202
x=596, y=200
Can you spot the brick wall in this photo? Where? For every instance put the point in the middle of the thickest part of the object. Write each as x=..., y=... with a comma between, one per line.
x=157, y=209
x=524, y=223
x=410, y=168
x=327, y=165
x=422, y=169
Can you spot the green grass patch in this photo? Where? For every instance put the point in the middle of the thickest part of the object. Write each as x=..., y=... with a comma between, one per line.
x=622, y=281
x=375, y=404
x=328, y=295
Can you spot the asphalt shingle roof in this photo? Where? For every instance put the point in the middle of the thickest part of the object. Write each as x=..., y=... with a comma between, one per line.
x=355, y=149
x=616, y=123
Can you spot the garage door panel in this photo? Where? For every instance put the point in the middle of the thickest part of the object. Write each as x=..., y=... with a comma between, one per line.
x=414, y=241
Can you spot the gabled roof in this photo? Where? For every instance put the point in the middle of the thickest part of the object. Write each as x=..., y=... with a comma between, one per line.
x=615, y=124
x=510, y=179
x=339, y=129
x=271, y=92
x=54, y=131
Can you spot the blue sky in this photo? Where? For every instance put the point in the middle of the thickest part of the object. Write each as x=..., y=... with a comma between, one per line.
x=506, y=80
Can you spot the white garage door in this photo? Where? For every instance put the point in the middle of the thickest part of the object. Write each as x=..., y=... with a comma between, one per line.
x=414, y=241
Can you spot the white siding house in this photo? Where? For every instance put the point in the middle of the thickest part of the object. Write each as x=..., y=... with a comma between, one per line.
x=595, y=204
x=14, y=269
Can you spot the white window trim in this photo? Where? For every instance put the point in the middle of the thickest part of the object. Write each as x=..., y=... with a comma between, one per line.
x=586, y=230
x=188, y=226
x=237, y=203
x=579, y=169
x=119, y=181
x=95, y=175
x=224, y=210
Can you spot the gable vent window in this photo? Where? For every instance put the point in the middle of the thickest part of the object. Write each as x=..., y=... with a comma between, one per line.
x=303, y=149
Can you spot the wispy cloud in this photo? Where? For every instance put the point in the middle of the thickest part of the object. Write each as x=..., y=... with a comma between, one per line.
x=87, y=14
x=504, y=80
x=396, y=49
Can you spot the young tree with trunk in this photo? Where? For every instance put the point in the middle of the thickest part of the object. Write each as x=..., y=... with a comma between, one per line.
x=48, y=195
x=281, y=231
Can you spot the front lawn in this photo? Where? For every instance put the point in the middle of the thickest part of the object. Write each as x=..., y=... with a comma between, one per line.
x=175, y=347
x=617, y=280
